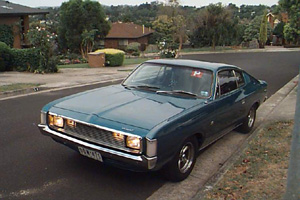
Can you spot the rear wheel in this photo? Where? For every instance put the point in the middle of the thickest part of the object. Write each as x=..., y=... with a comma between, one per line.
x=183, y=163
x=249, y=121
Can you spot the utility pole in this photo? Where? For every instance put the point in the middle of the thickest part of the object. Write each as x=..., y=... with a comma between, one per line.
x=293, y=181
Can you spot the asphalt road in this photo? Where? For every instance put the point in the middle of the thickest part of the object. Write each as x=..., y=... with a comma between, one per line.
x=33, y=166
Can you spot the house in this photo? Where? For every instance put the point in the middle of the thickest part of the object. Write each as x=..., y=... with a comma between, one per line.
x=18, y=17
x=122, y=34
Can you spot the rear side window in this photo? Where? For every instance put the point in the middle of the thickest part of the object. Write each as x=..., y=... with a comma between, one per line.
x=227, y=82
x=240, y=78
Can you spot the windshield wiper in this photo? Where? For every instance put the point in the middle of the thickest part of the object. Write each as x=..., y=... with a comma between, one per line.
x=128, y=86
x=180, y=92
x=147, y=87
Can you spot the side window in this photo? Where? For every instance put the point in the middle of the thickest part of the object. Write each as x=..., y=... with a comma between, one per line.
x=227, y=82
x=240, y=78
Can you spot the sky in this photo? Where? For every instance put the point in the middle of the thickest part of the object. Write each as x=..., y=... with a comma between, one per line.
x=197, y=3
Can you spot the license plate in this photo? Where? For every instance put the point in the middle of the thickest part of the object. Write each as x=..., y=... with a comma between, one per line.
x=91, y=154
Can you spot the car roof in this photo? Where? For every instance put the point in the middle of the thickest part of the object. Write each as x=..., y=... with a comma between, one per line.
x=192, y=63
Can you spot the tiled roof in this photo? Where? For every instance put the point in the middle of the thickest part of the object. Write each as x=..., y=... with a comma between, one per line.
x=8, y=8
x=128, y=31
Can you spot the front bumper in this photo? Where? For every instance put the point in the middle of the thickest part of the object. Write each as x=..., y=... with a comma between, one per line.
x=124, y=160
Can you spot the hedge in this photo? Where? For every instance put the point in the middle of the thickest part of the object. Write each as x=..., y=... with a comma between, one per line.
x=26, y=59
x=5, y=57
x=113, y=57
x=19, y=59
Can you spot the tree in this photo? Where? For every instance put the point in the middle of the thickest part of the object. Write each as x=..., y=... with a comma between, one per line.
x=78, y=17
x=292, y=28
x=290, y=33
x=263, y=32
x=213, y=22
x=253, y=28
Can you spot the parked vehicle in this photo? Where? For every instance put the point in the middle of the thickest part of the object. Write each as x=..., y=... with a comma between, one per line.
x=161, y=115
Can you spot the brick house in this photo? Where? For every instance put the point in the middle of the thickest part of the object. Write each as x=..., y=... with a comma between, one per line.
x=18, y=16
x=122, y=34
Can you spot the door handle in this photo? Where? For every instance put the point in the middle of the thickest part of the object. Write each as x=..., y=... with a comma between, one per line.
x=243, y=101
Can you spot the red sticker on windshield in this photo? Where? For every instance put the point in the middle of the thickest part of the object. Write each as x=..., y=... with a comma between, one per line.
x=197, y=74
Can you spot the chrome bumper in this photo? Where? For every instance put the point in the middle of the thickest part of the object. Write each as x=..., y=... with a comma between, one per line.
x=140, y=161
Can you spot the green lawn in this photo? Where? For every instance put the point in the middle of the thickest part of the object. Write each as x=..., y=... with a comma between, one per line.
x=127, y=61
x=132, y=61
x=188, y=50
x=82, y=65
x=17, y=86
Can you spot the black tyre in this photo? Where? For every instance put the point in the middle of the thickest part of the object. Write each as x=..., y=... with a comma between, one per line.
x=180, y=167
x=249, y=121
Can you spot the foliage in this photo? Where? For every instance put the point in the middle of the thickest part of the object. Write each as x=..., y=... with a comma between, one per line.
x=40, y=38
x=142, y=14
x=19, y=59
x=168, y=50
x=292, y=32
x=133, y=48
x=278, y=30
x=78, y=17
x=263, y=32
x=113, y=57
x=88, y=41
x=251, y=11
x=26, y=59
x=253, y=28
x=215, y=24
x=5, y=57
x=7, y=35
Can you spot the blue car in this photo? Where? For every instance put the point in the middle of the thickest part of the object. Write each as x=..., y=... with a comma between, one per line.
x=159, y=117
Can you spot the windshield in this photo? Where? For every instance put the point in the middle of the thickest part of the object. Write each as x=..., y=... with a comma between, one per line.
x=172, y=79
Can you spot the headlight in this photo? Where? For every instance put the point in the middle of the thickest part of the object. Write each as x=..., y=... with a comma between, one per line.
x=56, y=121
x=133, y=142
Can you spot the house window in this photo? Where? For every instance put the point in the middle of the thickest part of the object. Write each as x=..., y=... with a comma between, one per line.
x=123, y=42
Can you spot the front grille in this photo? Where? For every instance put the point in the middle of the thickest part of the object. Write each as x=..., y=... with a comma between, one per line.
x=95, y=135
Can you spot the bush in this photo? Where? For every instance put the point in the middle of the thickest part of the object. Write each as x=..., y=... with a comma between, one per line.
x=133, y=47
x=26, y=59
x=52, y=65
x=5, y=57
x=113, y=57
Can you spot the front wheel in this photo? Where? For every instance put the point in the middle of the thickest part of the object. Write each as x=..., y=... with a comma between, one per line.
x=249, y=120
x=183, y=163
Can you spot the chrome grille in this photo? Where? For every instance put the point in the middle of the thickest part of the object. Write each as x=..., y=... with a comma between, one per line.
x=95, y=135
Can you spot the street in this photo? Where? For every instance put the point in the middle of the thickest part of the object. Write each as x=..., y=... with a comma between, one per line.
x=33, y=166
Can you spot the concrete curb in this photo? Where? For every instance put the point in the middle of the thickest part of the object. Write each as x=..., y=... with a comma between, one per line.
x=268, y=107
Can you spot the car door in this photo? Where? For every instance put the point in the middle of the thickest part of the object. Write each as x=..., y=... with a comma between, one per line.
x=228, y=102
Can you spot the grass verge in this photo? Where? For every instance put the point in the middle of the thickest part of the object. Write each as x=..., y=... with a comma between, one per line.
x=132, y=61
x=127, y=61
x=261, y=171
x=82, y=65
x=17, y=86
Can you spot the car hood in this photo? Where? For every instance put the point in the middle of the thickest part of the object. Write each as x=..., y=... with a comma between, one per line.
x=132, y=107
